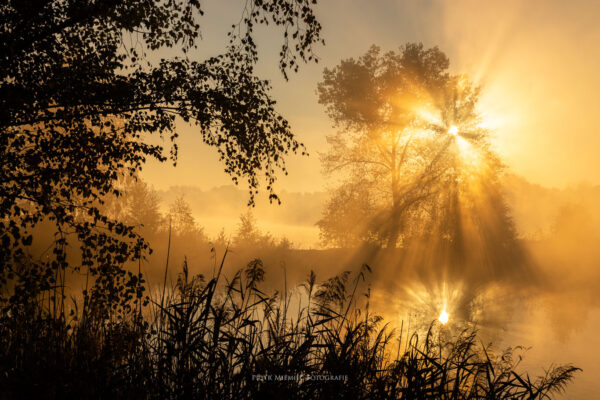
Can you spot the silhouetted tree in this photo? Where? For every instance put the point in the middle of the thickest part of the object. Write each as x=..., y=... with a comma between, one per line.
x=249, y=236
x=348, y=215
x=414, y=158
x=138, y=205
x=180, y=216
x=379, y=102
x=81, y=91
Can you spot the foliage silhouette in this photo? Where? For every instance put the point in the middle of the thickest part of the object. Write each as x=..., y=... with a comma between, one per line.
x=393, y=155
x=414, y=161
x=213, y=337
x=80, y=98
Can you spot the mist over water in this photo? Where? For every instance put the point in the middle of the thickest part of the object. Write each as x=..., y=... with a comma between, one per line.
x=423, y=158
x=549, y=305
x=537, y=62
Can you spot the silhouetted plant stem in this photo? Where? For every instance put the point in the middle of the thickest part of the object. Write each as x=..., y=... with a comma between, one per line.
x=162, y=300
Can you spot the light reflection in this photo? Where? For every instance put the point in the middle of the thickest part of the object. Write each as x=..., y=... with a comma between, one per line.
x=425, y=300
x=444, y=316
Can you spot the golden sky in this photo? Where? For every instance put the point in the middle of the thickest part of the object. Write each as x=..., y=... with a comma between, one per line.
x=538, y=62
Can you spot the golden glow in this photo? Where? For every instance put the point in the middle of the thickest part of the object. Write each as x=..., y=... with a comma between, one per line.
x=466, y=148
x=453, y=130
x=429, y=115
x=444, y=316
x=429, y=301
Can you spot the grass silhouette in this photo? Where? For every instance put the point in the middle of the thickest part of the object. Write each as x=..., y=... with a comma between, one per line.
x=222, y=338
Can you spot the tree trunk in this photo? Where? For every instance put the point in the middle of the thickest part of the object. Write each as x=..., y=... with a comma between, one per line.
x=394, y=230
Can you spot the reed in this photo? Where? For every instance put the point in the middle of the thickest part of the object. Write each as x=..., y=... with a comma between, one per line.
x=222, y=338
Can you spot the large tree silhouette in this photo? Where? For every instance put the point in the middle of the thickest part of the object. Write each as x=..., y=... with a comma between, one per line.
x=80, y=95
x=415, y=163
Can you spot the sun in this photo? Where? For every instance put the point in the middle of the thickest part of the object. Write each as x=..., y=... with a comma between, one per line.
x=444, y=316
x=453, y=130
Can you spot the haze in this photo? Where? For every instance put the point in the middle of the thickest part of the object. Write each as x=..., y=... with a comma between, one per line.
x=449, y=198
x=537, y=62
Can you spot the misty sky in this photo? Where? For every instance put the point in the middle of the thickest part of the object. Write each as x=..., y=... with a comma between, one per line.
x=538, y=62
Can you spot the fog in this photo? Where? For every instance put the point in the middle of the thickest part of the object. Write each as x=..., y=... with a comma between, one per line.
x=432, y=162
x=537, y=63
x=550, y=302
x=559, y=230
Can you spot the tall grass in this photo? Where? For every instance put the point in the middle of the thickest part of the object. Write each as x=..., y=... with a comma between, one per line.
x=219, y=338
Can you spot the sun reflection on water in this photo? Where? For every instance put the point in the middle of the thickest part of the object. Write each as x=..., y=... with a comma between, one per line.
x=444, y=317
x=422, y=302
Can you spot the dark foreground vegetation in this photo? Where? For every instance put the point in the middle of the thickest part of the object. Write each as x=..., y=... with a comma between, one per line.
x=227, y=339
x=85, y=102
